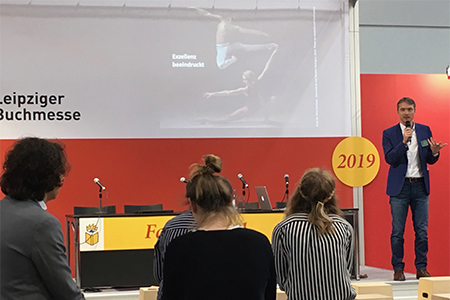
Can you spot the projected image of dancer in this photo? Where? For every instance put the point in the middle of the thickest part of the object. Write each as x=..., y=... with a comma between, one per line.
x=227, y=41
x=254, y=102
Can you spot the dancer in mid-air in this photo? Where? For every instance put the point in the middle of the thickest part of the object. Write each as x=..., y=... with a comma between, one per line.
x=227, y=39
x=253, y=103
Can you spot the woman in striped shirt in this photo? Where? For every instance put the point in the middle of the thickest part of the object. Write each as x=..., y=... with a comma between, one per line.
x=313, y=245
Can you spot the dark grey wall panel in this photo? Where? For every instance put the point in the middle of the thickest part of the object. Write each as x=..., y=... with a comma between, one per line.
x=405, y=12
x=404, y=50
x=404, y=36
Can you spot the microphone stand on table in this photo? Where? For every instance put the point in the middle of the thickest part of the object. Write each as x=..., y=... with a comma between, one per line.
x=287, y=191
x=100, y=199
x=243, y=191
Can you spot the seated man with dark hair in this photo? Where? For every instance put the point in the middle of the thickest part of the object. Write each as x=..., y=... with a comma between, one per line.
x=33, y=260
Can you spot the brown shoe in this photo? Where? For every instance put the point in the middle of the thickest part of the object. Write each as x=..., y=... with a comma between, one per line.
x=422, y=273
x=399, y=275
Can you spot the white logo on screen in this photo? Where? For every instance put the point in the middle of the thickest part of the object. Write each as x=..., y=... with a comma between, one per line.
x=262, y=198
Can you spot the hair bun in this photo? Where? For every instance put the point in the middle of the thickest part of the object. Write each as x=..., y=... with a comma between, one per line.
x=213, y=163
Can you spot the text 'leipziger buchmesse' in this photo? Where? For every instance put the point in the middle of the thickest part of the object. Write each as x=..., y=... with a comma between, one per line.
x=35, y=107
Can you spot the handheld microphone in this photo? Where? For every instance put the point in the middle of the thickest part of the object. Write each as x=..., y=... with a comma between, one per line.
x=242, y=179
x=408, y=125
x=182, y=179
x=286, y=178
x=97, y=181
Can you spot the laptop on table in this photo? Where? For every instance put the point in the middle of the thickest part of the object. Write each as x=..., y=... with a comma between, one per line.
x=263, y=198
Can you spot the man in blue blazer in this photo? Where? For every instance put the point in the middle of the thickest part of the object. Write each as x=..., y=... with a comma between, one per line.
x=408, y=148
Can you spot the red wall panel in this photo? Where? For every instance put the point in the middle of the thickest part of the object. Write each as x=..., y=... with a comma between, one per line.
x=147, y=171
x=379, y=95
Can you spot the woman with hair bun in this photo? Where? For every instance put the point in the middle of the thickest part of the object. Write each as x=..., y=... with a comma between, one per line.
x=313, y=245
x=221, y=259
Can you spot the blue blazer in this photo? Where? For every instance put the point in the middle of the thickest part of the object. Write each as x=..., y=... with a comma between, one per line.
x=395, y=156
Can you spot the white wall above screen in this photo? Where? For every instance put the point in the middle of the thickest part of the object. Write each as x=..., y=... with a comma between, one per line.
x=139, y=72
x=114, y=3
x=276, y=4
x=323, y=4
x=18, y=2
x=54, y=2
x=231, y=4
x=219, y=4
x=237, y=4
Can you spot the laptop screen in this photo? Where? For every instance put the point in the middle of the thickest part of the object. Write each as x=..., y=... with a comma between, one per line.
x=263, y=198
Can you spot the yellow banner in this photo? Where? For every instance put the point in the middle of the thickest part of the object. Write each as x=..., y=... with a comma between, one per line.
x=263, y=222
x=128, y=233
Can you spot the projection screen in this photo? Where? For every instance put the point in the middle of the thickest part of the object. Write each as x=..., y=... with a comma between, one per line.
x=185, y=72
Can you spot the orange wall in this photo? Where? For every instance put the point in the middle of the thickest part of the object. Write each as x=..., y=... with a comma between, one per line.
x=379, y=94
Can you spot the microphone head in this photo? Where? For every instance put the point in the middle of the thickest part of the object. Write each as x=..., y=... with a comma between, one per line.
x=242, y=179
x=286, y=179
x=408, y=123
x=97, y=181
x=182, y=179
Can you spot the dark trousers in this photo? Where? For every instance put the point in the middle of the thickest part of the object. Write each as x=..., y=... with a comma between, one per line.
x=413, y=194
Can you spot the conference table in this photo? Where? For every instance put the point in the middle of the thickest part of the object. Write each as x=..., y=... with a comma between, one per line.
x=116, y=250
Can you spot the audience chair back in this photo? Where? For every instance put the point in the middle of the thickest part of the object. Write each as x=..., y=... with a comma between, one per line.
x=148, y=293
x=252, y=205
x=373, y=290
x=83, y=210
x=437, y=287
x=138, y=208
x=280, y=205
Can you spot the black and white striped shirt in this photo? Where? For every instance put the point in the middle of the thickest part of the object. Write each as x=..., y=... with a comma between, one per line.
x=180, y=225
x=311, y=265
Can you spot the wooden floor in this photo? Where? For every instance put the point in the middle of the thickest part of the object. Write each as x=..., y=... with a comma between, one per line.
x=402, y=290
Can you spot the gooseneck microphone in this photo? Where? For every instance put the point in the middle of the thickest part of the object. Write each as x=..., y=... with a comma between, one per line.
x=242, y=179
x=102, y=187
x=408, y=125
x=286, y=193
x=97, y=181
x=182, y=179
x=244, y=184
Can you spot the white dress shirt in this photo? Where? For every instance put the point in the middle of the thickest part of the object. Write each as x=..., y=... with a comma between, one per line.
x=43, y=205
x=413, y=155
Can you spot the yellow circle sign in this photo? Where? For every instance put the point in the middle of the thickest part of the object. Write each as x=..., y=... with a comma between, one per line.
x=355, y=161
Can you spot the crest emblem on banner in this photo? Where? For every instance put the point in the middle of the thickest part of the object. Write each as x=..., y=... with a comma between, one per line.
x=91, y=234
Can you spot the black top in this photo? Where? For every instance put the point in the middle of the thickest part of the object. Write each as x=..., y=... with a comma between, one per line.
x=174, y=228
x=224, y=264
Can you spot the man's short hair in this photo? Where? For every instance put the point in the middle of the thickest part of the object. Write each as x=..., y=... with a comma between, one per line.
x=407, y=101
x=32, y=168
